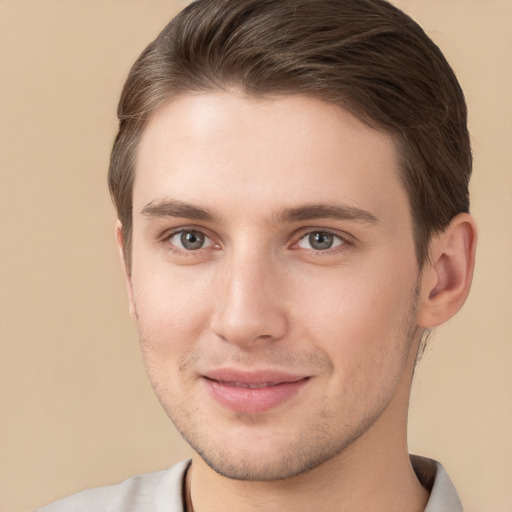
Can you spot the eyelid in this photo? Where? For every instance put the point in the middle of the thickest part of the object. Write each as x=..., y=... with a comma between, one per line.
x=337, y=240
x=169, y=233
x=346, y=239
x=207, y=241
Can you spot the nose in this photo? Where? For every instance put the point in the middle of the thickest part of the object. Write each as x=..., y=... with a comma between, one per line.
x=250, y=307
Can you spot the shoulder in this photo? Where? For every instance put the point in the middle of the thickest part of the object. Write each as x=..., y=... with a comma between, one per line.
x=159, y=491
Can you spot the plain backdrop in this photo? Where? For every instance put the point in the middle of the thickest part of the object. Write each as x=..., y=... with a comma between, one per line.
x=75, y=408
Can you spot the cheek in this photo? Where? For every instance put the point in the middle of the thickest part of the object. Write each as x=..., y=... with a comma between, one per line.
x=172, y=315
x=364, y=328
x=360, y=316
x=172, y=308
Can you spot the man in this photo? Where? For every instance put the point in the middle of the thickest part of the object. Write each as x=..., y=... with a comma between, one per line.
x=291, y=181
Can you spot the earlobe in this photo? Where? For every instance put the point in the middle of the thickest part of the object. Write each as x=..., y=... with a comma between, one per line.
x=447, y=276
x=126, y=271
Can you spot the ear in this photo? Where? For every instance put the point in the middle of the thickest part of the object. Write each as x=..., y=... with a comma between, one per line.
x=126, y=270
x=447, y=276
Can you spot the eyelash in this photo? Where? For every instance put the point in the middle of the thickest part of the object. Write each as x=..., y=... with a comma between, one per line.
x=344, y=241
x=182, y=251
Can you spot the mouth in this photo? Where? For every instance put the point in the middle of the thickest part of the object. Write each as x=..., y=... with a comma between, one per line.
x=247, y=385
x=253, y=392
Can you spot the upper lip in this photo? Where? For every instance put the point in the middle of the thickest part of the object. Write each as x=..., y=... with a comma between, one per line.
x=268, y=377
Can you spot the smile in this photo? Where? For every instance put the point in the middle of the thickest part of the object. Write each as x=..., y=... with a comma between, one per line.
x=253, y=392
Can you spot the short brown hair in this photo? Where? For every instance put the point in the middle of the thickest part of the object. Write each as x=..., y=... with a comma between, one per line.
x=363, y=55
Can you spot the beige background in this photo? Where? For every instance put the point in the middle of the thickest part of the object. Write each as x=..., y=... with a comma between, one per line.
x=75, y=408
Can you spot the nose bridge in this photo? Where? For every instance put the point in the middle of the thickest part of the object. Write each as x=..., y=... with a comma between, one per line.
x=249, y=305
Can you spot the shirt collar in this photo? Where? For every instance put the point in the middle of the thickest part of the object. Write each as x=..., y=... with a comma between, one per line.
x=432, y=475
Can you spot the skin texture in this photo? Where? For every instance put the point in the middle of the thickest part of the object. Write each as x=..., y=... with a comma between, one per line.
x=258, y=185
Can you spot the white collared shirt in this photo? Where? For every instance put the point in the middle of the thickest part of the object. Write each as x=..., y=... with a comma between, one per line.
x=162, y=491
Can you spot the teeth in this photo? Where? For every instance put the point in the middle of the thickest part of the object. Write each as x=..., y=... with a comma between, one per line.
x=249, y=386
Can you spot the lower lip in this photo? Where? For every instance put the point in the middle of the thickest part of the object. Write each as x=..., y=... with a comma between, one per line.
x=253, y=400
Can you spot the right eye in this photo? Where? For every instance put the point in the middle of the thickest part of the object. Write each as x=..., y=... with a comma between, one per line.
x=189, y=240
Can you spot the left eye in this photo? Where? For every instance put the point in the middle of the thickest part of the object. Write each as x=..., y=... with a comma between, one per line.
x=190, y=240
x=320, y=241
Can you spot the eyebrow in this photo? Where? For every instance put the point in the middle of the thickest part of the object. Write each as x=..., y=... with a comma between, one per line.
x=175, y=208
x=326, y=211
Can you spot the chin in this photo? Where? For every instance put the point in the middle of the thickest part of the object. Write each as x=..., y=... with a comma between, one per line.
x=262, y=469
x=271, y=457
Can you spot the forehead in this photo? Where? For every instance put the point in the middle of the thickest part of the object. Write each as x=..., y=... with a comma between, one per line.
x=273, y=152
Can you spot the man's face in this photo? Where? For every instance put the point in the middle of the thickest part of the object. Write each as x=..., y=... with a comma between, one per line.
x=273, y=279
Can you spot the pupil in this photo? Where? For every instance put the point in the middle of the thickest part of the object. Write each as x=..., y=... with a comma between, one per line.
x=321, y=241
x=192, y=240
